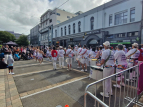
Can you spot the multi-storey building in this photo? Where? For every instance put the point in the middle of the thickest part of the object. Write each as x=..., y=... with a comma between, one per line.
x=49, y=19
x=34, y=36
x=118, y=21
x=17, y=35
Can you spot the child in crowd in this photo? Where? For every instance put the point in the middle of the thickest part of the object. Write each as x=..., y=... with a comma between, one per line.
x=10, y=62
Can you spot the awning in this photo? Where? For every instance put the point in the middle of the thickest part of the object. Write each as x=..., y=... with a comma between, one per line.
x=93, y=41
x=121, y=43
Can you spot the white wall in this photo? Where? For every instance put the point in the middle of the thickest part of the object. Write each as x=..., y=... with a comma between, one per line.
x=122, y=7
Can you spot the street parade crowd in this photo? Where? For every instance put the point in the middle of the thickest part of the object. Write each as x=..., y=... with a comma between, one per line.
x=109, y=58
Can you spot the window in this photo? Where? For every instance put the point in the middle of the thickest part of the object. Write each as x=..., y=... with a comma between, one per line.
x=69, y=29
x=68, y=16
x=131, y=34
x=55, y=33
x=58, y=21
x=65, y=31
x=121, y=18
x=74, y=28
x=92, y=23
x=121, y=35
x=110, y=20
x=79, y=26
x=61, y=31
x=132, y=15
x=50, y=20
x=58, y=14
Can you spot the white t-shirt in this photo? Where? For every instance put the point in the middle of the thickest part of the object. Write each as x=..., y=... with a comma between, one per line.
x=61, y=53
x=84, y=53
x=92, y=54
x=136, y=55
x=120, y=58
x=79, y=51
x=105, y=55
x=69, y=52
x=125, y=50
x=47, y=52
x=75, y=50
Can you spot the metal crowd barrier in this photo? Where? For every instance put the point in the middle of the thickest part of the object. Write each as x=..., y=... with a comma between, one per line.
x=127, y=95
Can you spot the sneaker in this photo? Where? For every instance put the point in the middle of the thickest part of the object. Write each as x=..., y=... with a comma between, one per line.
x=67, y=69
x=129, y=80
x=12, y=73
x=82, y=70
x=85, y=70
x=9, y=72
x=104, y=95
x=117, y=85
x=122, y=84
x=78, y=67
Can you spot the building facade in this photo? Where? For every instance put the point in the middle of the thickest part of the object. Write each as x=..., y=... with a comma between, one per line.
x=34, y=36
x=49, y=19
x=118, y=21
x=17, y=35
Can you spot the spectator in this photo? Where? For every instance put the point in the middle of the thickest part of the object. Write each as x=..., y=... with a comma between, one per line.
x=10, y=62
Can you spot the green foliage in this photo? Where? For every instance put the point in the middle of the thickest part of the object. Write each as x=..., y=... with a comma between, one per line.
x=6, y=36
x=22, y=41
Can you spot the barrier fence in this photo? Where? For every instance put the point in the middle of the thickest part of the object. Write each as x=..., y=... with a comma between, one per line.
x=125, y=96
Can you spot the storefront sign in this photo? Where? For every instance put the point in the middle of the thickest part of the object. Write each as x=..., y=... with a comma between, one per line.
x=93, y=32
x=120, y=43
x=72, y=43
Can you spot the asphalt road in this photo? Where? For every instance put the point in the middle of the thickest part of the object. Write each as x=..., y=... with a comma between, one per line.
x=30, y=75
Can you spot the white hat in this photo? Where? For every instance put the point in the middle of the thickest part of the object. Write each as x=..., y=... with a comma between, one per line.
x=124, y=45
x=60, y=47
x=135, y=44
x=107, y=43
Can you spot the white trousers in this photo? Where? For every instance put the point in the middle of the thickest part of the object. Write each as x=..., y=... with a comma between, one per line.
x=75, y=57
x=61, y=61
x=69, y=61
x=107, y=84
x=6, y=58
x=54, y=63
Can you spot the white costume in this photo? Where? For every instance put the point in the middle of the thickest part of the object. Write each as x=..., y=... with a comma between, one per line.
x=70, y=53
x=61, y=57
x=133, y=61
x=75, y=53
x=108, y=70
x=84, y=55
x=79, y=56
x=121, y=63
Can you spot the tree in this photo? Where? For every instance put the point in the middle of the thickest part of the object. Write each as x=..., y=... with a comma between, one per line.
x=22, y=41
x=6, y=36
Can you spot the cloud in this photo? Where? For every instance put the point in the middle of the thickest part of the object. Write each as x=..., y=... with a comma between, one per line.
x=22, y=15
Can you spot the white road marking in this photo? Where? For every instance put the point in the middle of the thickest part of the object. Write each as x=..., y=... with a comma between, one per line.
x=30, y=65
x=33, y=72
x=52, y=88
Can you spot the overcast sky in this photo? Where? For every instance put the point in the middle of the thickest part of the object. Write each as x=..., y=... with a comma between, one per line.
x=22, y=15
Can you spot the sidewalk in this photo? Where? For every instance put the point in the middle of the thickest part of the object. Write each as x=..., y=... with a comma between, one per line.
x=9, y=96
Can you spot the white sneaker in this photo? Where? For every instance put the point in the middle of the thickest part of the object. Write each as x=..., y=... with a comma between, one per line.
x=86, y=70
x=104, y=95
x=122, y=84
x=13, y=73
x=117, y=85
x=68, y=69
x=10, y=73
x=82, y=70
x=129, y=80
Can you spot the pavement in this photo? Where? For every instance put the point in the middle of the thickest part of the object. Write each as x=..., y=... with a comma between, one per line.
x=35, y=85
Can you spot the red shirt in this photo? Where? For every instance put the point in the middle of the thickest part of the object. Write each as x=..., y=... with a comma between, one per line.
x=141, y=55
x=54, y=53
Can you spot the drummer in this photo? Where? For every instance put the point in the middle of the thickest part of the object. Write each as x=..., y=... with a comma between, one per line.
x=107, y=60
